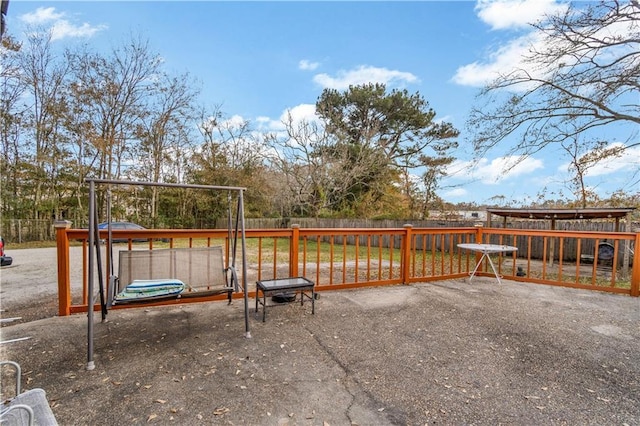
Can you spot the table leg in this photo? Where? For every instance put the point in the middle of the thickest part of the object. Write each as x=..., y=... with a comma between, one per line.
x=313, y=301
x=477, y=266
x=494, y=270
x=257, y=296
x=264, y=306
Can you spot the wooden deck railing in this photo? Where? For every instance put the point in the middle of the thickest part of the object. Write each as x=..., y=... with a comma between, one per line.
x=349, y=258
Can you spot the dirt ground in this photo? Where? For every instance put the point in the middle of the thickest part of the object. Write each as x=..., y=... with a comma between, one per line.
x=448, y=352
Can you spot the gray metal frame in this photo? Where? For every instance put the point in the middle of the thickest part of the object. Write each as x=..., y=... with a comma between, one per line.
x=94, y=254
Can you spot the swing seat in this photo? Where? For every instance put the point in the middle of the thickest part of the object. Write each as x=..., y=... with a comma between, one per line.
x=150, y=290
x=148, y=275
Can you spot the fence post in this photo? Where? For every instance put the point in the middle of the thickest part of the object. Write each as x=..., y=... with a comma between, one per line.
x=405, y=261
x=294, y=246
x=64, y=281
x=478, y=256
x=635, y=271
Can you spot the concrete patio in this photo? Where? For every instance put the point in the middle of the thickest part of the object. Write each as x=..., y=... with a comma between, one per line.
x=448, y=352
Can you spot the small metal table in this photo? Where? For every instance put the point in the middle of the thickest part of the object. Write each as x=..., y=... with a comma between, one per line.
x=284, y=285
x=486, y=250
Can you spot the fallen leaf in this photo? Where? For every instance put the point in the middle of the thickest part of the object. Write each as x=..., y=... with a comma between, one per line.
x=220, y=411
x=151, y=417
x=161, y=401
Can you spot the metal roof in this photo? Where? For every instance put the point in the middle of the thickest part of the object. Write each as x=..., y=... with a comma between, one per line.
x=563, y=214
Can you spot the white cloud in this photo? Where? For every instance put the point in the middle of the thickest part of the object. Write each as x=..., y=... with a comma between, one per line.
x=363, y=75
x=60, y=27
x=307, y=65
x=63, y=29
x=507, y=14
x=236, y=121
x=42, y=15
x=212, y=123
x=455, y=193
x=508, y=57
x=300, y=113
x=496, y=171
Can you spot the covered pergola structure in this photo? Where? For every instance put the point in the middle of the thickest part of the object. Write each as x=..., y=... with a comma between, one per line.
x=554, y=215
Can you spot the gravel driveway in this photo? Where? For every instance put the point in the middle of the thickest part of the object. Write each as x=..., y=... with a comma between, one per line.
x=29, y=287
x=34, y=275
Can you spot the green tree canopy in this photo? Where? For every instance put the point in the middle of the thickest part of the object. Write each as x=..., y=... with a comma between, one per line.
x=380, y=134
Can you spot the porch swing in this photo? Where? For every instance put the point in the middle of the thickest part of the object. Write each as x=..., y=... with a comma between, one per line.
x=165, y=275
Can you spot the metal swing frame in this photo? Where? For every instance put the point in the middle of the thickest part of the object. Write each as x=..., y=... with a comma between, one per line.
x=94, y=248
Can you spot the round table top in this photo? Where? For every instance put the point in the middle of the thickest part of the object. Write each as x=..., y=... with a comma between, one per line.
x=487, y=248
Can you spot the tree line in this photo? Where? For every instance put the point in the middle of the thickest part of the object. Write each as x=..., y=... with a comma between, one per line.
x=76, y=113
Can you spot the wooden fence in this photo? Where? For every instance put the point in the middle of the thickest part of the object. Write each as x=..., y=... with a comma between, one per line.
x=338, y=258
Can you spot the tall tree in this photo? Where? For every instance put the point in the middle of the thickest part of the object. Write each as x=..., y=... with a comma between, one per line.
x=164, y=133
x=44, y=77
x=229, y=154
x=435, y=170
x=110, y=94
x=307, y=184
x=583, y=156
x=581, y=75
x=380, y=134
x=112, y=90
x=12, y=121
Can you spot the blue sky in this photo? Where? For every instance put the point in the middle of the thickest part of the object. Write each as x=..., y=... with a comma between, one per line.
x=261, y=59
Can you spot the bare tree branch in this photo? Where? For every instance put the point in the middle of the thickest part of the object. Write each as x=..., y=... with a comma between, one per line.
x=583, y=74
